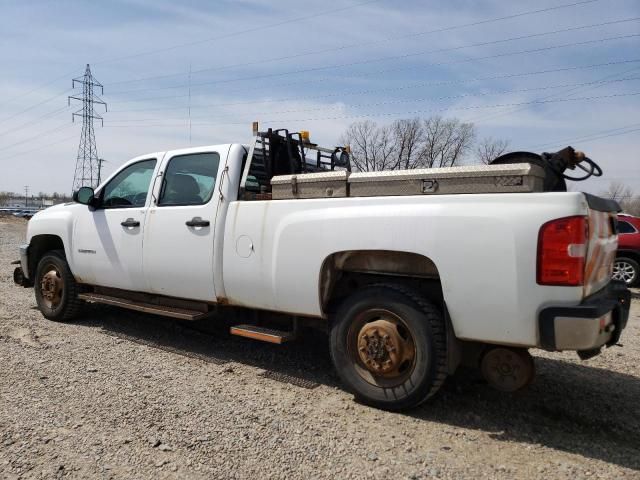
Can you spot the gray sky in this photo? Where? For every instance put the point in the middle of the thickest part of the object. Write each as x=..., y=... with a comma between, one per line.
x=569, y=75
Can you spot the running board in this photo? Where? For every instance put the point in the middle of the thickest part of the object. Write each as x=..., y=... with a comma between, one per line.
x=175, y=312
x=263, y=334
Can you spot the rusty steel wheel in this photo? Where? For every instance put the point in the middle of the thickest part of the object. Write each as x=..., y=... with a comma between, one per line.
x=507, y=369
x=55, y=288
x=388, y=346
x=382, y=347
x=51, y=286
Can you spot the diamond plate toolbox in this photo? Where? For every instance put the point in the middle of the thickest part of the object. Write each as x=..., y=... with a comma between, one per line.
x=508, y=178
x=310, y=185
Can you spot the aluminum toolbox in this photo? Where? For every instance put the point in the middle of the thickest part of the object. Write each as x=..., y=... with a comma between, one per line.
x=507, y=178
x=310, y=185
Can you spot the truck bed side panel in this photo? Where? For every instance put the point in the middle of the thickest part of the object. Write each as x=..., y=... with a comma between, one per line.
x=484, y=247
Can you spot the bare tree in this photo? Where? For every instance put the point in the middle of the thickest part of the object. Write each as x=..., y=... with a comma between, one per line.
x=408, y=138
x=622, y=194
x=632, y=206
x=408, y=143
x=446, y=142
x=617, y=191
x=490, y=148
x=371, y=146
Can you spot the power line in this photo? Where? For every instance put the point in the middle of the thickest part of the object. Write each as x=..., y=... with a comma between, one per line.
x=13, y=155
x=66, y=75
x=368, y=74
x=39, y=135
x=46, y=116
x=412, y=100
x=262, y=27
x=569, y=92
x=610, y=135
x=34, y=106
x=368, y=91
x=235, y=34
x=361, y=44
x=232, y=34
x=574, y=139
x=386, y=114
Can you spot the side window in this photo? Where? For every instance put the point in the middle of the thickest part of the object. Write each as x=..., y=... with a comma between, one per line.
x=128, y=189
x=625, y=227
x=189, y=179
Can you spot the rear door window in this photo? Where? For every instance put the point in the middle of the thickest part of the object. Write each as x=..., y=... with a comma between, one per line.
x=189, y=179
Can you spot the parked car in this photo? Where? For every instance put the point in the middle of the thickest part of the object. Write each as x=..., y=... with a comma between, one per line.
x=627, y=264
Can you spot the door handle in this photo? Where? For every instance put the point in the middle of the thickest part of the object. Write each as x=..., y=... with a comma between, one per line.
x=197, y=222
x=130, y=222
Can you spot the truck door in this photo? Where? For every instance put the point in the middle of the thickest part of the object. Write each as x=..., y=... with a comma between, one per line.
x=179, y=231
x=107, y=240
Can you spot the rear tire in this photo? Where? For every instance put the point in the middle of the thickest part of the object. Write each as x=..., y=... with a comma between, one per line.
x=56, y=289
x=627, y=270
x=388, y=345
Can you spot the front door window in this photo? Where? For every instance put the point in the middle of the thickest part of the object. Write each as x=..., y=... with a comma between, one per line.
x=128, y=189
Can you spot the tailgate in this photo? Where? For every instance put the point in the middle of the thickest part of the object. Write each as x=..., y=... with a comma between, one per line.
x=602, y=243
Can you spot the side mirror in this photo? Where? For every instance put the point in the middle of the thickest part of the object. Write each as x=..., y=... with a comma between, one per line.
x=84, y=196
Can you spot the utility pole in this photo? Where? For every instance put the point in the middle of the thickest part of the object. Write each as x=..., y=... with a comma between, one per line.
x=189, y=104
x=100, y=162
x=26, y=196
x=87, y=165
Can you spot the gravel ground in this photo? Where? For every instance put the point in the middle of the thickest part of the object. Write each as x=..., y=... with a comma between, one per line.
x=123, y=395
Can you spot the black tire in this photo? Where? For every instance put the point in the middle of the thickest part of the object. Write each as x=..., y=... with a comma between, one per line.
x=420, y=320
x=628, y=270
x=66, y=305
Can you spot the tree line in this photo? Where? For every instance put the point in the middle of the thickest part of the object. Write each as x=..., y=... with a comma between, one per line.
x=8, y=198
x=417, y=143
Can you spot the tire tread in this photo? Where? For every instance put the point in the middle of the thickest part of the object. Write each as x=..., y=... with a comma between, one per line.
x=437, y=329
x=74, y=304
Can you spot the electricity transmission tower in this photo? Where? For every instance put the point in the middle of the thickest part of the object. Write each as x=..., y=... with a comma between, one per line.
x=87, y=164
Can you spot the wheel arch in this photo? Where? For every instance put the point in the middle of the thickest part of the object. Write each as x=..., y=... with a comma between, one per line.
x=345, y=271
x=632, y=254
x=39, y=246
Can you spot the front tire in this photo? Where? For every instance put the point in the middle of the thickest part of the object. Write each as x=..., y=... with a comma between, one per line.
x=627, y=270
x=56, y=289
x=388, y=345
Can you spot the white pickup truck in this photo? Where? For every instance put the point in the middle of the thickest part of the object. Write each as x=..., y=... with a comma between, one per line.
x=412, y=272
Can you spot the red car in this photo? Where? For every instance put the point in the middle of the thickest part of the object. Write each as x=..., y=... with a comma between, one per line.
x=627, y=264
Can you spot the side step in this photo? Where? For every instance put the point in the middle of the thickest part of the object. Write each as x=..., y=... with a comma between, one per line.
x=181, y=313
x=263, y=334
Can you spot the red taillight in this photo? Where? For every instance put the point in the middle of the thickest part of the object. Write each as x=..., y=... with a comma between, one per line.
x=562, y=248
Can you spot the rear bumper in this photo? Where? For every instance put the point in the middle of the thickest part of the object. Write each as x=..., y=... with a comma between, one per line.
x=597, y=321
